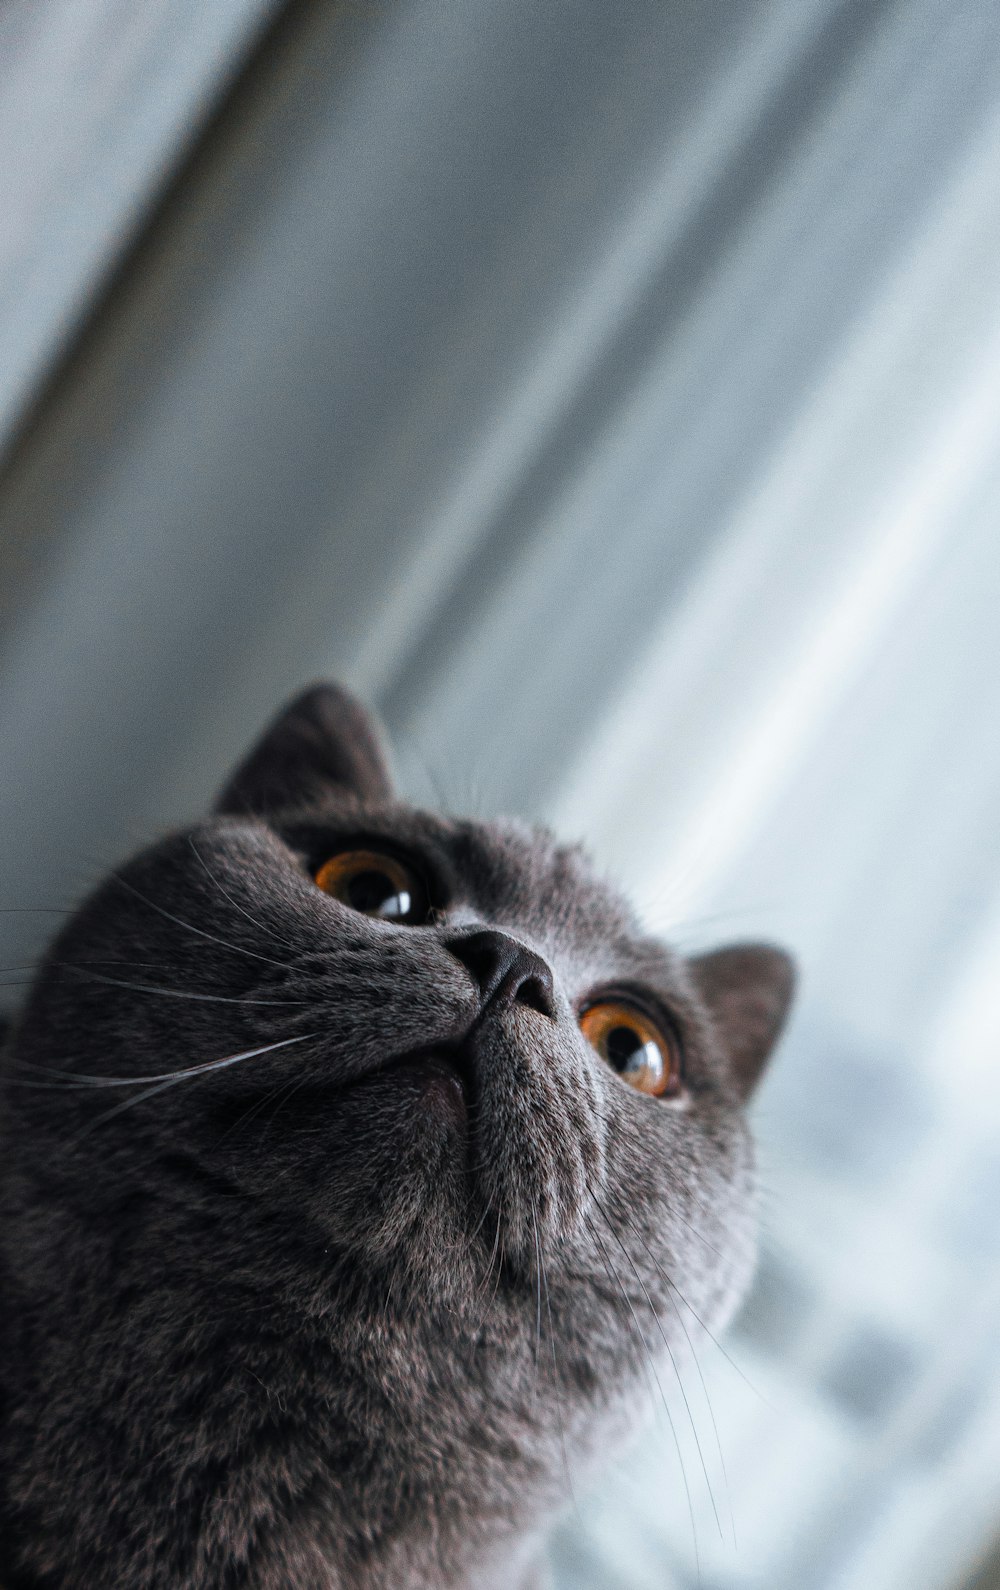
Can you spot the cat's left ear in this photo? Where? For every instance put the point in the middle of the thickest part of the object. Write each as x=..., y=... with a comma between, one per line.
x=323, y=740
x=748, y=989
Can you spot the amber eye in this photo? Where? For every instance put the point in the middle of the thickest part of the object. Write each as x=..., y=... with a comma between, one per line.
x=643, y=1054
x=375, y=883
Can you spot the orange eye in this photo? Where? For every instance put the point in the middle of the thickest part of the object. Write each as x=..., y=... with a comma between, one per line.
x=645, y=1056
x=374, y=883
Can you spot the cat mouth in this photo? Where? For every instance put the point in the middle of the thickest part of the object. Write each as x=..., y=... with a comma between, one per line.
x=440, y=1076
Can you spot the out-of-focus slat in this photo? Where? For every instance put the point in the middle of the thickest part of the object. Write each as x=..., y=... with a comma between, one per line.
x=98, y=101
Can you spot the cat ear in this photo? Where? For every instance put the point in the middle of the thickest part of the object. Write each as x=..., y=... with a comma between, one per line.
x=323, y=739
x=748, y=989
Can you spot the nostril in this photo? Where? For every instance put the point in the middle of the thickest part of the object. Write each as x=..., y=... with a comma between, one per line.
x=527, y=981
x=483, y=954
x=507, y=972
x=537, y=996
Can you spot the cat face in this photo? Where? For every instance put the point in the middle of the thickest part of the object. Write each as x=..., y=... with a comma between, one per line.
x=440, y=1047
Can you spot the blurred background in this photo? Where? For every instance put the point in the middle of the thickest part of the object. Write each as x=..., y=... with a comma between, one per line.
x=611, y=395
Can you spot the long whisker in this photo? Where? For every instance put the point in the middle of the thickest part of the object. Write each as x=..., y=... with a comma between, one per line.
x=671, y=1289
x=706, y=1208
x=555, y=1366
x=538, y=1308
x=225, y=892
x=238, y=949
x=173, y=993
x=87, y=963
x=171, y=1079
x=284, y=1097
x=609, y=1265
x=711, y=1414
x=255, y=1108
x=87, y=1079
x=730, y=1360
x=480, y=1223
x=675, y=1214
x=673, y=1361
x=95, y=960
x=674, y=1288
x=496, y=1257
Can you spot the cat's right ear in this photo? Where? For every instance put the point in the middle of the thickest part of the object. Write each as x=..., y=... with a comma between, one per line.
x=748, y=989
x=323, y=740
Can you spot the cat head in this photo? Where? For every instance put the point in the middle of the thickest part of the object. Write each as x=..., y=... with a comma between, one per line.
x=430, y=1045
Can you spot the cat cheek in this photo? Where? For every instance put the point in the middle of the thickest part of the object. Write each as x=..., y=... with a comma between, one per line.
x=380, y=1176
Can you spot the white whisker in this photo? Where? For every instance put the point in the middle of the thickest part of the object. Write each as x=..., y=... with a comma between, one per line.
x=651, y=1366
x=225, y=892
x=673, y=1361
x=189, y=927
x=170, y=1079
x=88, y=1080
x=172, y=993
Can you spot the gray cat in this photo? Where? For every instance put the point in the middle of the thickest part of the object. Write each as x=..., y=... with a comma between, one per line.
x=354, y=1162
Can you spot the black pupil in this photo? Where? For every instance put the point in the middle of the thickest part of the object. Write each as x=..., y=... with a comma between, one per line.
x=624, y=1048
x=376, y=893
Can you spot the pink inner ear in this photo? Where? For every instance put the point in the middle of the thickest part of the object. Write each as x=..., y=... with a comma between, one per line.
x=323, y=740
x=748, y=990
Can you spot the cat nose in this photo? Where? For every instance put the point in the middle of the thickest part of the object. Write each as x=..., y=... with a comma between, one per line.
x=507, y=972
